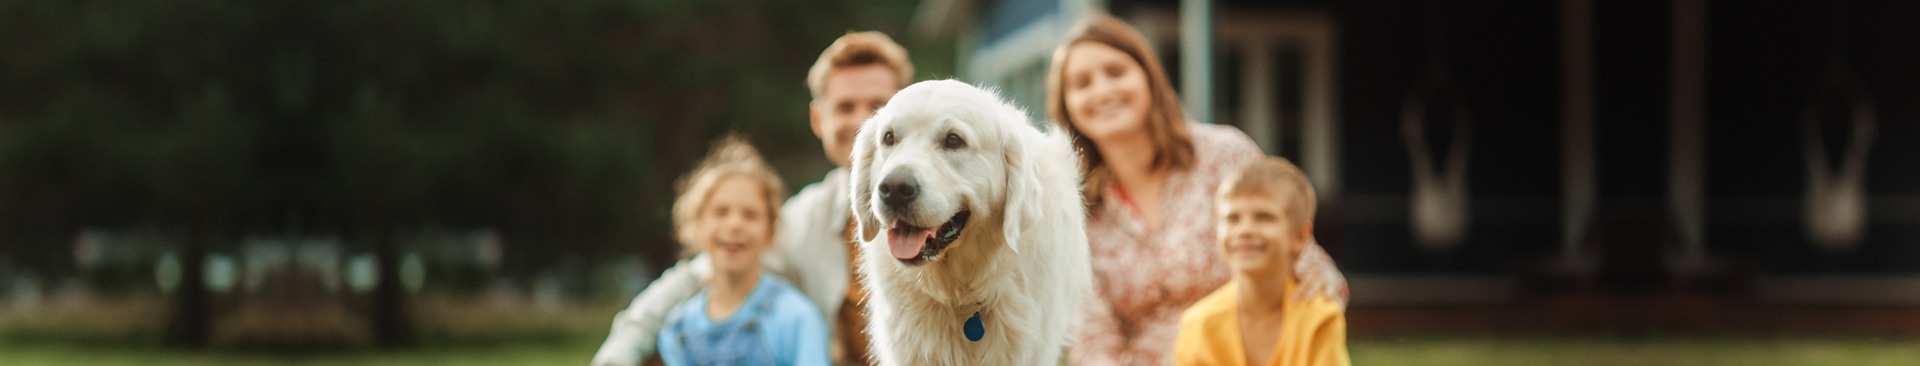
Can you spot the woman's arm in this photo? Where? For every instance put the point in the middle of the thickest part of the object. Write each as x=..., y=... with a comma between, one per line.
x=1098, y=340
x=632, y=336
x=1319, y=276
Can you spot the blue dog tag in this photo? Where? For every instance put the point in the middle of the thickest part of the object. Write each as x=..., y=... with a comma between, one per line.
x=974, y=328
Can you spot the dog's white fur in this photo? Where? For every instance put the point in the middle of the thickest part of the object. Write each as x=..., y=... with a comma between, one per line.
x=1021, y=261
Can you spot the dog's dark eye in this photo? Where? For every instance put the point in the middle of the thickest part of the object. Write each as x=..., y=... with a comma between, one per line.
x=887, y=139
x=954, y=142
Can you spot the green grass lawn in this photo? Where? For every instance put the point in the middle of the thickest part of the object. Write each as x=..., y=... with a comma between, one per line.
x=570, y=354
x=464, y=334
x=1478, y=351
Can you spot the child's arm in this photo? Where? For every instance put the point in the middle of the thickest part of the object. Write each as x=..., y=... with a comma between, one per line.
x=1330, y=341
x=634, y=329
x=670, y=352
x=1190, y=347
x=803, y=331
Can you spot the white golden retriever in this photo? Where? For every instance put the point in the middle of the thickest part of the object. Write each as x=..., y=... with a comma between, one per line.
x=982, y=219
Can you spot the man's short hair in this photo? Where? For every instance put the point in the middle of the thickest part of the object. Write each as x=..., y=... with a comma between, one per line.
x=1273, y=177
x=859, y=49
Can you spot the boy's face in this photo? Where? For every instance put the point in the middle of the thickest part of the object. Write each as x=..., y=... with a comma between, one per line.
x=848, y=98
x=734, y=227
x=1256, y=236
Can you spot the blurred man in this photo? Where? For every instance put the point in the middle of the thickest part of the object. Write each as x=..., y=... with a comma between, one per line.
x=855, y=76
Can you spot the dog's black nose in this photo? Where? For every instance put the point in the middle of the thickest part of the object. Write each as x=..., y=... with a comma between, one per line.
x=899, y=189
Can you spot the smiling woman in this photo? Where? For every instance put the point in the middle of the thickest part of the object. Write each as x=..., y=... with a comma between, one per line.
x=1150, y=176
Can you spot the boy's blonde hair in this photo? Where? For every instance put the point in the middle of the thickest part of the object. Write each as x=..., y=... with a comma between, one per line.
x=1274, y=177
x=730, y=156
x=860, y=49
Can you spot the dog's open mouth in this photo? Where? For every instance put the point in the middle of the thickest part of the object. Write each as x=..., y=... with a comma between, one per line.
x=914, y=245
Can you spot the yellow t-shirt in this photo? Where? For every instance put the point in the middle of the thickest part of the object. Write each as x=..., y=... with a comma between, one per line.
x=1313, y=333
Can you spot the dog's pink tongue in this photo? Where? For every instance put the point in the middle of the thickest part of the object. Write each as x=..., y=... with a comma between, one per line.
x=906, y=244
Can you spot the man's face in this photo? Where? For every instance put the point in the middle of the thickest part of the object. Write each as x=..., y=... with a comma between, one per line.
x=850, y=95
x=1256, y=236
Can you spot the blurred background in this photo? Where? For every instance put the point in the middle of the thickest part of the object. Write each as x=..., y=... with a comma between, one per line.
x=487, y=182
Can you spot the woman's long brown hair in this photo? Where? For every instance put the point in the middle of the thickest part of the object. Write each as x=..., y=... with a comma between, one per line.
x=1166, y=120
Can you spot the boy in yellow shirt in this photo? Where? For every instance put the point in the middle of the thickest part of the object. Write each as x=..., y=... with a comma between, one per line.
x=1263, y=215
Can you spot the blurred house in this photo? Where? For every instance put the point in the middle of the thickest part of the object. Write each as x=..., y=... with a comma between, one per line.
x=1732, y=160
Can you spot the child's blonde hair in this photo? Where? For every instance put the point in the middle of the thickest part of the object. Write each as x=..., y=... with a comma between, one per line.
x=1274, y=177
x=730, y=156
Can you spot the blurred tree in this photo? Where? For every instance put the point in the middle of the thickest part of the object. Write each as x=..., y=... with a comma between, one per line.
x=560, y=123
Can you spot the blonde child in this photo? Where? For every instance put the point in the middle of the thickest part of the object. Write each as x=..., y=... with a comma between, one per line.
x=1263, y=215
x=727, y=209
x=856, y=75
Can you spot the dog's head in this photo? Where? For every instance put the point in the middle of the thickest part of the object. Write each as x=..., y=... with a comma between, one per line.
x=942, y=154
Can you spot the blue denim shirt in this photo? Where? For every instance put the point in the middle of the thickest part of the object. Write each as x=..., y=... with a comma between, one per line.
x=777, y=325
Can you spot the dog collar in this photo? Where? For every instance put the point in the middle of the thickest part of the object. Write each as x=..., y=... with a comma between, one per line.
x=974, y=329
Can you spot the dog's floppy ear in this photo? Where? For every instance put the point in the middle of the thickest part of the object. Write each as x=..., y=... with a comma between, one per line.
x=1024, y=195
x=862, y=190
